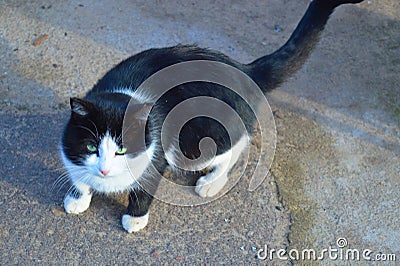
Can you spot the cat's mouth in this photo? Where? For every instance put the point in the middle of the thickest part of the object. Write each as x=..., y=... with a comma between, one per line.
x=104, y=177
x=109, y=176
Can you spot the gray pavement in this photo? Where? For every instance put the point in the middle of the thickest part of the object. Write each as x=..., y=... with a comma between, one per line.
x=337, y=163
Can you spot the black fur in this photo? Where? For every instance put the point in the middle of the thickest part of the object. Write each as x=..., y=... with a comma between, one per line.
x=101, y=110
x=88, y=129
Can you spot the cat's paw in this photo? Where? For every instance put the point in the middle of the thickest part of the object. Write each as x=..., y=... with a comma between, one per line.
x=209, y=185
x=77, y=205
x=134, y=224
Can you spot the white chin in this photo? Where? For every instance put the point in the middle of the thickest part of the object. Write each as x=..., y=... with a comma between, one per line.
x=111, y=183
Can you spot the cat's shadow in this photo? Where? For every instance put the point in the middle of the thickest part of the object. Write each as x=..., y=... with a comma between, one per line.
x=30, y=155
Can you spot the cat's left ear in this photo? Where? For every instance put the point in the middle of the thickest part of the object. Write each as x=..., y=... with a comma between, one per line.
x=80, y=107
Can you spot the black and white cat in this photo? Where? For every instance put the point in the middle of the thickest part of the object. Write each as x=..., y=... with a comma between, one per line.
x=93, y=150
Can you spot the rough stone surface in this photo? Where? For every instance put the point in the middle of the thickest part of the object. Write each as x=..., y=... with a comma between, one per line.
x=337, y=163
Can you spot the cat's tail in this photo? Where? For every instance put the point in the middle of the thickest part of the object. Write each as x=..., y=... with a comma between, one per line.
x=271, y=70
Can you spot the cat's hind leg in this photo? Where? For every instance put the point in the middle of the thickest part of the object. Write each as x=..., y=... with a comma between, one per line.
x=210, y=184
x=78, y=199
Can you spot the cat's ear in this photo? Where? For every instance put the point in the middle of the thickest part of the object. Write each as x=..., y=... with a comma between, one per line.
x=80, y=107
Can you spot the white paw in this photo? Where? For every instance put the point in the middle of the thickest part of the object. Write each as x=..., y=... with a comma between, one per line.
x=134, y=224
x=209, y=185
x=74, y=205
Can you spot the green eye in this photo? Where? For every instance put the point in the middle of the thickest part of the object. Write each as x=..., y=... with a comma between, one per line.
x=91, y=148
x=120, y=151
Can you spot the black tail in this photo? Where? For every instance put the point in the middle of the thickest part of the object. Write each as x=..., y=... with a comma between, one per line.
x=271, y=70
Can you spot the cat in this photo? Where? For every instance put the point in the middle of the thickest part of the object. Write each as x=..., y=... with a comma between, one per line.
x=94, y=153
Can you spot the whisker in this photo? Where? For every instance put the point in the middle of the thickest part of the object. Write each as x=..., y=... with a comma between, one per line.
x=63, y=178
x=59, y=180
x=95, y=127
x=65, y=181
x=72, y=189
x=91, y=132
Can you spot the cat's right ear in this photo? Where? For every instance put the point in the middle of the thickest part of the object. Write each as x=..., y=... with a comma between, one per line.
x=80, y=107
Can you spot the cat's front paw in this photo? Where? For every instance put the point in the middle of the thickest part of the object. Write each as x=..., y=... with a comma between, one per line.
x=134, y=224
x=77, y=205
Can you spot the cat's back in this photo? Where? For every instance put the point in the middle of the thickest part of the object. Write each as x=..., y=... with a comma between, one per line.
x=132, y=72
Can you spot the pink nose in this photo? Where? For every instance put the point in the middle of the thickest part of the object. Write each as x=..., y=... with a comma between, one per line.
x=104, y=172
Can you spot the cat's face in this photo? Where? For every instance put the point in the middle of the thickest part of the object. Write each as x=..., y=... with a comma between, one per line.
x=93, y=150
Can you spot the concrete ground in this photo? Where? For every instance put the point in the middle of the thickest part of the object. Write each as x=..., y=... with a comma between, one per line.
x=337, y=163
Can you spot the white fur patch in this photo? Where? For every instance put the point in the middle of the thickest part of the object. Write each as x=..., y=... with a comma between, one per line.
x=76, y=206
x=107, y=157
x=81, y=204
x=210, y=184
x=134, y=224
x=123, y=171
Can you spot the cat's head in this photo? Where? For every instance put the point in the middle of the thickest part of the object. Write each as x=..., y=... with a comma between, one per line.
x=94, y=149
